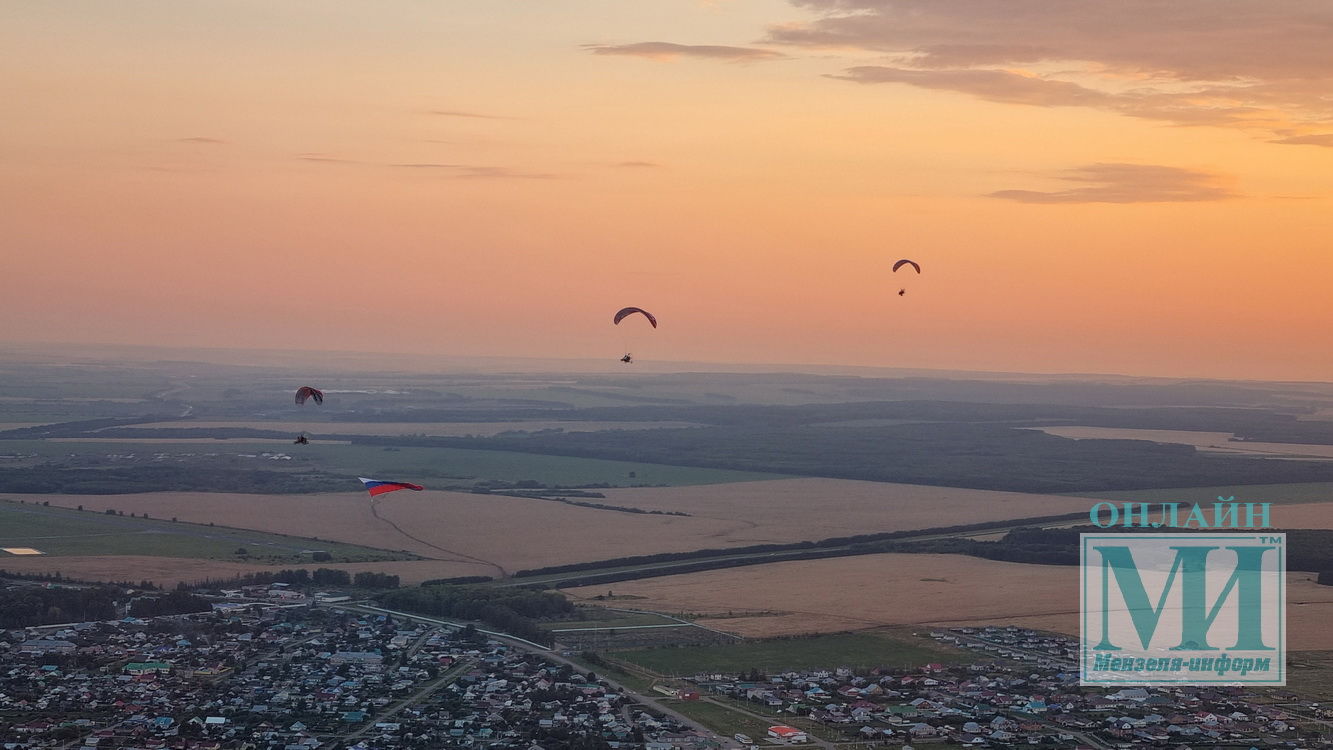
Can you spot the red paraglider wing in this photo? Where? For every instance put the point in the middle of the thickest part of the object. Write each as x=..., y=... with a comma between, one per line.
x=305, y=392
x=378, y=487
x=631, y=310
x=906, y=262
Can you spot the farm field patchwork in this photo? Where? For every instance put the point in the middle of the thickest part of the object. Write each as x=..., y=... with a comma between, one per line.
x=794, y=598
x=60, y=532
x=497, y=532
x=822, y=508
x=455, y=466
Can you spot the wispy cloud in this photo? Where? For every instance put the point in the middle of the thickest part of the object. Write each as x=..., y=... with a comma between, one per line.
x=1318, y=139
x=326, y=159
x=469, y=115
x=203, y=140
x=1255, y=64
x=634, y=164
x=995, y=85
x=1129, y=183
x=671, y=51
x=457, y=171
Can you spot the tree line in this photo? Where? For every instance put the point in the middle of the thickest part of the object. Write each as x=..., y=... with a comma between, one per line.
x=510, y=610
x=29, y=606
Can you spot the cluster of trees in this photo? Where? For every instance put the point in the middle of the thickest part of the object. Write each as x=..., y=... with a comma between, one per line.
x=61, y=578
x=27, y=606
x=369, y=580
x=511, y=610
x=174, y=603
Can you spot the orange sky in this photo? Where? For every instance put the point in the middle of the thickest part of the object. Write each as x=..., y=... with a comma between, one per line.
x=1138, y=193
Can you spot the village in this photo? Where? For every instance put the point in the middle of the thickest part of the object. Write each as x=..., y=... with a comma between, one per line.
x=270, y=669
x=282, y=677
x=1023, y=690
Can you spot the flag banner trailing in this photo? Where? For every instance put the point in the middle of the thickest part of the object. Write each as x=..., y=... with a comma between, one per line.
x=378, y=487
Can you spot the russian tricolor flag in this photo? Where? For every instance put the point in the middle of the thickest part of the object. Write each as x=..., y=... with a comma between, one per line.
x=379, y=487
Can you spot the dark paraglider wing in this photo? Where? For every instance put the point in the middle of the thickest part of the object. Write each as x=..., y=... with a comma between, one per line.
x=305, y=392
x=906, y=262
x=625, y=312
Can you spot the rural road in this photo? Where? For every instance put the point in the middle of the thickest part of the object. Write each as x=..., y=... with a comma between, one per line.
x=549, y=655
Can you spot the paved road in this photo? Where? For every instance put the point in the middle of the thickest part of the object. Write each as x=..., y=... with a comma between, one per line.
x=545, y=653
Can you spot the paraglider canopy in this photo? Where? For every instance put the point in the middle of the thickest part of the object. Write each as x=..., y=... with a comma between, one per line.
x=906, y=262
x=627, y=311
x=378, y=487
x=305, y=392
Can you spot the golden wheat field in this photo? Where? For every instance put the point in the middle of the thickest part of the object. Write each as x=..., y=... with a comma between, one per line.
x=783, y=510
x=850, y=593
x=1303, y=516
x=494, y=532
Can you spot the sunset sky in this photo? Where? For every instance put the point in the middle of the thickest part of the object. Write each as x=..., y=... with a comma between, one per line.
x=1137, y=187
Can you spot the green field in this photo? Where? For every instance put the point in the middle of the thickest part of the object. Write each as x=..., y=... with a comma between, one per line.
x=721, y=719
x=63, y=532
x=1299, y=492
x=632, y=680
x=880, y=648
x=456, y=466
x=471, y=465
x=593, y=617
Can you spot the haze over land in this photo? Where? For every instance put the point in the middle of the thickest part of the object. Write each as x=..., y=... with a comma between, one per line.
x=532, y=469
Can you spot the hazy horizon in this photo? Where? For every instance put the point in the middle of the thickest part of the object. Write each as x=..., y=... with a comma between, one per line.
x=413, y=362
x=1138, y=192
